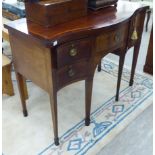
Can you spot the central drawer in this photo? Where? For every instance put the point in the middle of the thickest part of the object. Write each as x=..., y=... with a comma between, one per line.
x=112, y=39
x=72, y=52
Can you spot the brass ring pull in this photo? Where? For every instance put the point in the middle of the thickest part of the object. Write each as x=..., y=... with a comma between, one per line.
x=73, y=52
x=71, y=72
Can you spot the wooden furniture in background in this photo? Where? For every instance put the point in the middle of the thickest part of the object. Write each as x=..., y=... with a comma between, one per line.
x=55, y=57
x=148, y=68
x=7, y=86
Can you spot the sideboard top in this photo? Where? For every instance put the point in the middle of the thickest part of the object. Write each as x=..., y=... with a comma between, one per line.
x=94, y=20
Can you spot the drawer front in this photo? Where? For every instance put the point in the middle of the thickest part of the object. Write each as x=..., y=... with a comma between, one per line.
x=71, y=52
x=112, y=39
x=71, y=73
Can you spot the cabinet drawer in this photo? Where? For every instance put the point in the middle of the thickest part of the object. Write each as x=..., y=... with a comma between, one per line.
x=71, y=73
x=70, y=52
x=112, y=39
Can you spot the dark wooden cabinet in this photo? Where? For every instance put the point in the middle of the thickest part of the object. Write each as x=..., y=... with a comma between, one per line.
x=55, y=57
x=148, y=68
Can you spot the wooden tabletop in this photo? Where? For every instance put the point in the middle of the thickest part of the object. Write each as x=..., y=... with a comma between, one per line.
x=94, y=20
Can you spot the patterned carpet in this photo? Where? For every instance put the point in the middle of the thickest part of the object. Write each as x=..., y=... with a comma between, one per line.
x=108, y=118
x=80, y=139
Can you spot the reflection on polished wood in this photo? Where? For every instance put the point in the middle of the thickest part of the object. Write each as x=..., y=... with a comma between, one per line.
x=55, y=57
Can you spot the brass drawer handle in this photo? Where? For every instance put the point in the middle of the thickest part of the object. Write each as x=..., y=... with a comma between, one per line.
x=71, y=72
x=73, y=51
x=134, y=35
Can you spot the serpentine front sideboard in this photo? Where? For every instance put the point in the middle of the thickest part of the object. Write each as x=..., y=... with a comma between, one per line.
x=55, y=57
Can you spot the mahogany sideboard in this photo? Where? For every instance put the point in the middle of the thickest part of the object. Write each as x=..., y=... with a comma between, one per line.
x=55, y=57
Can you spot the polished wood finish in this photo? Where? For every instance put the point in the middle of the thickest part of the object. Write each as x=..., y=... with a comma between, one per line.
x=71, y=51
x=148, y=68
x=52, y=12
x=92, y=24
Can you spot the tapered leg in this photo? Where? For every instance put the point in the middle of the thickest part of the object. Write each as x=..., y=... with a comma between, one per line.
x=134, y=62
x=121, y=63
x=21, y=87
x=2, y=46
x=25, y=90
x=53, y=103
x=99, y=67
x=148, y=18
x=88, y=96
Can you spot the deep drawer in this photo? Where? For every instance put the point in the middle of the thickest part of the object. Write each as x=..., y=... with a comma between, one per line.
x=72, y=73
